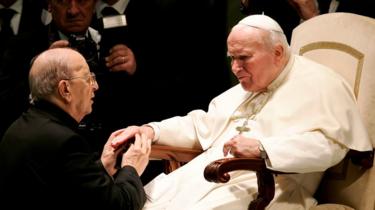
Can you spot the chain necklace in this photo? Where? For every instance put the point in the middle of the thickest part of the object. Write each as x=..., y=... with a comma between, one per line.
x=256, y=105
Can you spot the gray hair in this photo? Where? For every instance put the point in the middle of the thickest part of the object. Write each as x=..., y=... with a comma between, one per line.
x=274, y=33
x=47, y=70
x=275, y=38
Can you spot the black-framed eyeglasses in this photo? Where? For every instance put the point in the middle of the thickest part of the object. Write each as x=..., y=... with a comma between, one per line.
x=91, y=76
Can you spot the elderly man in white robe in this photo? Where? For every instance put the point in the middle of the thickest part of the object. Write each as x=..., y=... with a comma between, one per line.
x=299, y=113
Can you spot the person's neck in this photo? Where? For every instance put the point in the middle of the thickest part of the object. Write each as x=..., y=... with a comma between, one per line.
x=65, y=106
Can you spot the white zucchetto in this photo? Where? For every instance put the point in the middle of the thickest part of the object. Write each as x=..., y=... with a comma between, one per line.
x=262, y=22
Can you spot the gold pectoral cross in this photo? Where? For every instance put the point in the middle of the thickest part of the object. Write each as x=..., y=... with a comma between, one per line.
x=242, y=129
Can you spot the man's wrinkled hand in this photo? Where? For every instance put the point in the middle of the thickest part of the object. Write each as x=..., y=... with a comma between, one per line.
x=138, y=154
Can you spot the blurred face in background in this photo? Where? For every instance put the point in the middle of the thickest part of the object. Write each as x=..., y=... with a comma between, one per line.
x=7, y=3
x=72, y=16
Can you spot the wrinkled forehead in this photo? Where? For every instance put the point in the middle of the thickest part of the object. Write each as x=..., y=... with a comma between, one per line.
x=79, y=64
x=241, y=34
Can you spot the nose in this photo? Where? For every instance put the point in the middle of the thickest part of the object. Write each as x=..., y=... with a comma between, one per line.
x=95, y=86
x=73, y=8
x=236, y=66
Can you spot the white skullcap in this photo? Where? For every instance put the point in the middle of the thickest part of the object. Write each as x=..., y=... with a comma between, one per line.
x=262, y=22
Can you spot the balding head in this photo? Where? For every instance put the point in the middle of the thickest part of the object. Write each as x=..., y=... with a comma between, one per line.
x=49, y=68
x=62, y=77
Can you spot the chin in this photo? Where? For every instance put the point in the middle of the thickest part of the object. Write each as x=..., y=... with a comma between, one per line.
x=245, y=86
x=77, y=29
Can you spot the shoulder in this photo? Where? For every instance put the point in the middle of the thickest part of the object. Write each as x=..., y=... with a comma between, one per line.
x=309, y=74
x=310, y=69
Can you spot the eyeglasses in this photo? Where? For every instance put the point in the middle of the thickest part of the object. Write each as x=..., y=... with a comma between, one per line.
x=91, y=77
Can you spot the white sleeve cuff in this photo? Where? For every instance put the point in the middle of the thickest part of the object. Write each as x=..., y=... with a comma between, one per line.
x=156, y=131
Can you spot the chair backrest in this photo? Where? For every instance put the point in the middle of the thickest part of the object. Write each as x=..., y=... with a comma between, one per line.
x=346, y=43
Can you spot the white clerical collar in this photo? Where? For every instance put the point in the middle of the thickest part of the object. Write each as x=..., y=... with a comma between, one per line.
x=95, y=36
x=119, y=6
x=283, y=74
x=16, y=19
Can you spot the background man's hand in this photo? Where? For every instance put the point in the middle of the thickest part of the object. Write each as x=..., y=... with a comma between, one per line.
x=121, y=58
x=306, y=9
x=59, y=44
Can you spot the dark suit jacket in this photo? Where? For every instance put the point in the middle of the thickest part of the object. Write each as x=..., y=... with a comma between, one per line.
x=181, y=49
x=116, y=100
x=45, y=164
x=15, y=58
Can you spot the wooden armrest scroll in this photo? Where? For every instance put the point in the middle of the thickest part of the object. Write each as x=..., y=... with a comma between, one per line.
x=364, y=159
x=217, y=171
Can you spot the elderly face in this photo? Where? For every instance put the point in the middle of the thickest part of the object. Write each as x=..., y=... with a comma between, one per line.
x=72, y=16
x=83, y=85
x=254, y=64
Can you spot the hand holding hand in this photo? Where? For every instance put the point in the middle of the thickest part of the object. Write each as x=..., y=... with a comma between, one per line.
x=110, y=154
x=138, y=154
x=129, y=133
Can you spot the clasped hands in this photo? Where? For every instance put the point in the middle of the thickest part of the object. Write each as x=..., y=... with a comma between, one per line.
x=137, y=155
x=240, y=146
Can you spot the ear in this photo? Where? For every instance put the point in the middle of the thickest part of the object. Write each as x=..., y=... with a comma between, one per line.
x=94, y=9
x=64, y=90
x=279, y=52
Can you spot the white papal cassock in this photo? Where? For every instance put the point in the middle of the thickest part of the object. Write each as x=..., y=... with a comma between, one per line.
x=306, y=123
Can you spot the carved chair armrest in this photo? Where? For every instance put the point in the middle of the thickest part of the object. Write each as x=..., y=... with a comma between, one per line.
x=174, y=157
x=364, y=159
x=217, y=171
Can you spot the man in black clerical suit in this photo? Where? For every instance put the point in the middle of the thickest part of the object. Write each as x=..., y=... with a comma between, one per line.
x=16, y=51
x=46, y=164
x=113, y=65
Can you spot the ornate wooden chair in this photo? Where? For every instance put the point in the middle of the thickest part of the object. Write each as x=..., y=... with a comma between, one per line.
x=345, y=42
